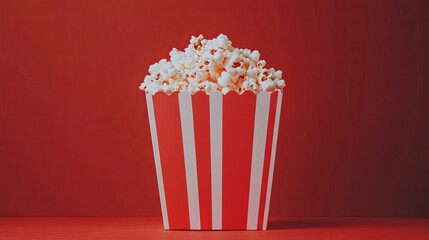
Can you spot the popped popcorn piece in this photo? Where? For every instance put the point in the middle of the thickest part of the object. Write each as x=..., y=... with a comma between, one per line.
x=281, y=83
x=255, y=56
x=208, y=86
x=225, y=90
x=209, y=65
x=268, y=86
x=224, y=79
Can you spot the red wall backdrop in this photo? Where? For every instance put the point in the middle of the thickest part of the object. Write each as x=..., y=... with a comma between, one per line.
x=74, y=134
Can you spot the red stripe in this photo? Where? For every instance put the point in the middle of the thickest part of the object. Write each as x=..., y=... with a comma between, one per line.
x=201, y=111
x=238, y=126
x=268, y=145
x=168, y=126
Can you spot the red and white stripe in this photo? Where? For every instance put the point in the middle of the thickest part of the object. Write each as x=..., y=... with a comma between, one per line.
x=214, y=158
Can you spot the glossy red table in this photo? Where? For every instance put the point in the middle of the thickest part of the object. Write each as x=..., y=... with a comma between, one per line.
x=151, y=228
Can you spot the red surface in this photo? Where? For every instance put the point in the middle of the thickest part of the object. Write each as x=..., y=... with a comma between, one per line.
x=237, y=136
x=151, y=228
x=200, y=108
x=267, y=157
x=169, y=130
x=74, y=134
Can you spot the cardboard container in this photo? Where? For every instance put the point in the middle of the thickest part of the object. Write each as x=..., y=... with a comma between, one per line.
x=214, y=158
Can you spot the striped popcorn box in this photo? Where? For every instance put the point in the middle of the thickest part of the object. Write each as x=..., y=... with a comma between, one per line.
x=214, y=157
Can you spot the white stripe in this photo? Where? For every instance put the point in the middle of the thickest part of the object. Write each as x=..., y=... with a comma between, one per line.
x=187, y=122
x=216, y=157
x=158, y=167
x=273, y=159
x=258, y=152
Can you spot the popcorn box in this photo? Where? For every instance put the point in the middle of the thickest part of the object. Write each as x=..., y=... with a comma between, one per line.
x=214, y=157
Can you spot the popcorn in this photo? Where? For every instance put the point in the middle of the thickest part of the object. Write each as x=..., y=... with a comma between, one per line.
x=209, y=65
x=218, y=57
x=281, y=83
x=208, y=86
x=278, y=74
x=261, y=63
x=255, y=56
x=224, y=79
x=268, y=86
x=225, y=90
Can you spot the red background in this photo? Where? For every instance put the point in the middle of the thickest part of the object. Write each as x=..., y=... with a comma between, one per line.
x=74, y=135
